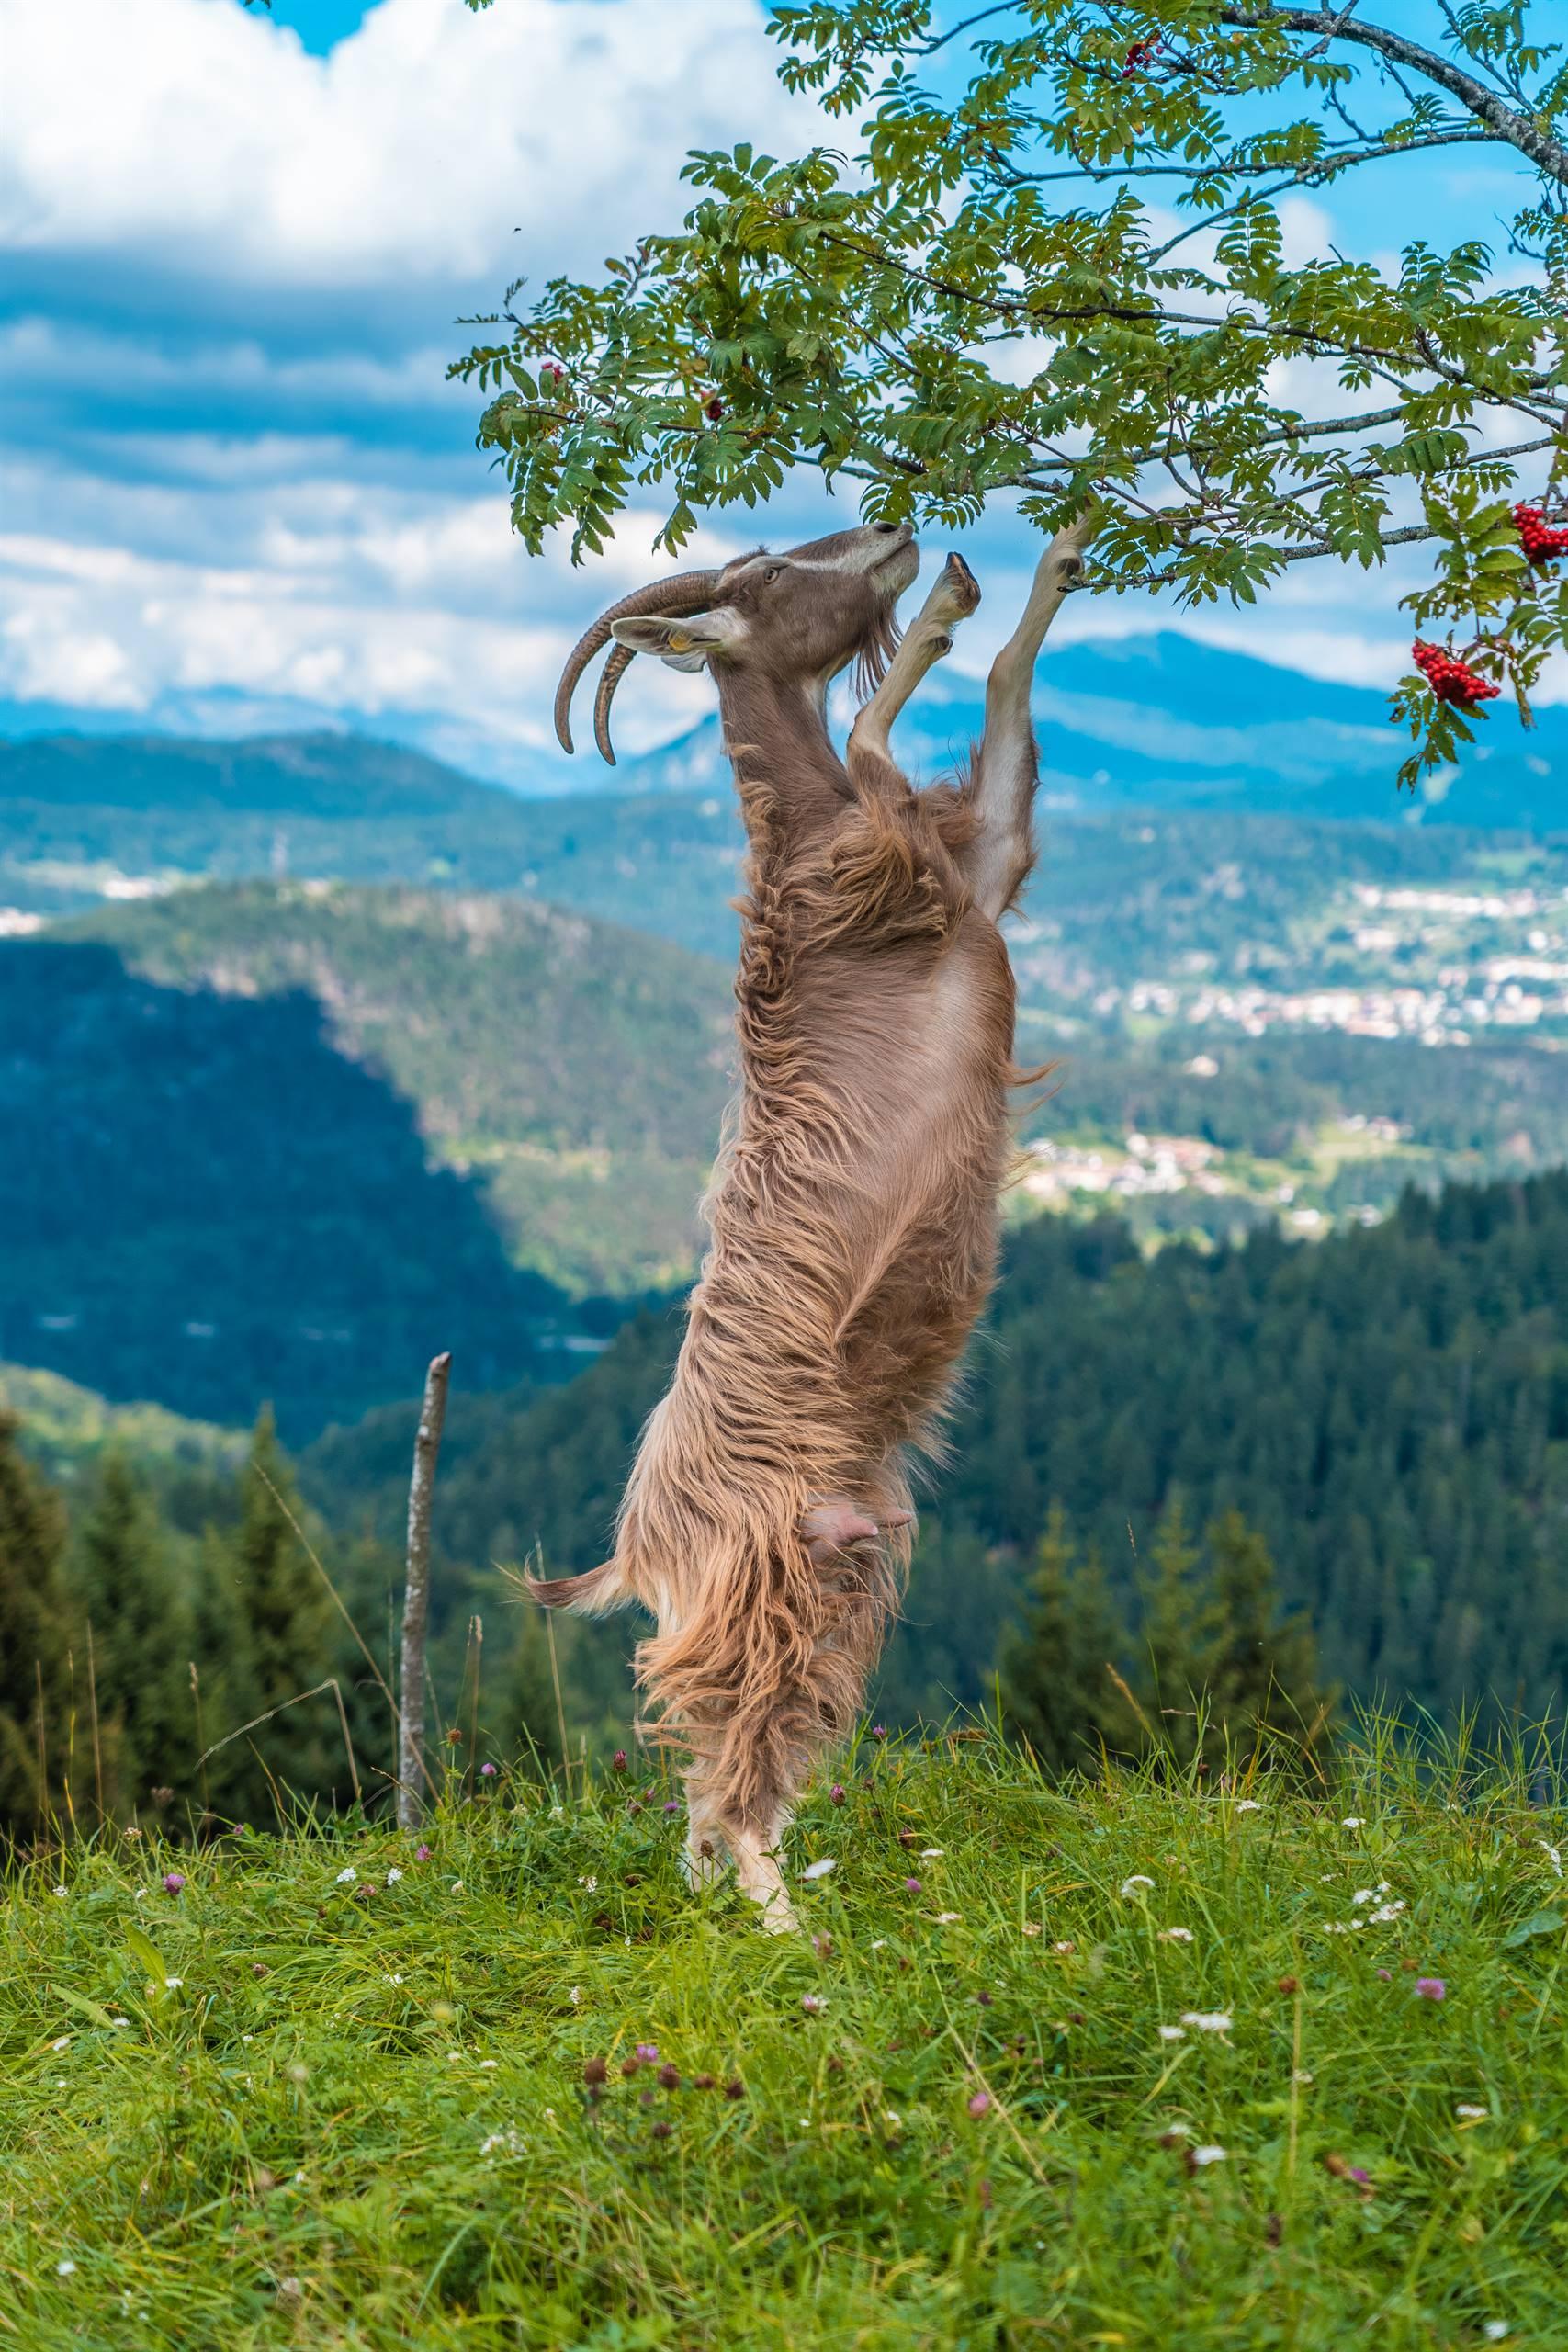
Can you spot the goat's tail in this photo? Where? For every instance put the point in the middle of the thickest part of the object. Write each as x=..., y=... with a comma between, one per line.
x=593, y=1594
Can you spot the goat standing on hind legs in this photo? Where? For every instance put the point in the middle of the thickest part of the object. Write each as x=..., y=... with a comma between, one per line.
x=853, y=1207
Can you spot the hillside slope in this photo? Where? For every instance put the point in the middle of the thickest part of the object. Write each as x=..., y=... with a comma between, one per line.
x=1086, y=2066
x=1390, y=1407
x=283, y=1142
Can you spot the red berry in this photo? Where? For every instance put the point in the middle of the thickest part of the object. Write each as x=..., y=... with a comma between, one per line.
x=713, y=409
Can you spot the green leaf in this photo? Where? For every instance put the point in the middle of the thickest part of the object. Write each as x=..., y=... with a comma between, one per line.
x=1540, y=1922
x=80, y=2002
x=147, y=1957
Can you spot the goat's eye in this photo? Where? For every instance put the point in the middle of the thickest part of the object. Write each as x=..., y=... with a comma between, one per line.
x=770, y=574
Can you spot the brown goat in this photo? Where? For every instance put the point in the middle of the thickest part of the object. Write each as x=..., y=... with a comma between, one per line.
x=853, y=1211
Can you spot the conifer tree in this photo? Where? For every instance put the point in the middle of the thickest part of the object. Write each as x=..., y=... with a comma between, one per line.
x=1263, y=1668
x=1180, y=1633
x=34, y=1669
x=266, y=1631
x=127, y=1594
x=530, y=1727
x=1056, y=1690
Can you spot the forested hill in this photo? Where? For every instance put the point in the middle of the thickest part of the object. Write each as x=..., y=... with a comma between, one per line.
x=287, y=1142
x=1390, y=1407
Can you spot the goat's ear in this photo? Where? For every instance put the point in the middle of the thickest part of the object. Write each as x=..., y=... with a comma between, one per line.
x=684, y=644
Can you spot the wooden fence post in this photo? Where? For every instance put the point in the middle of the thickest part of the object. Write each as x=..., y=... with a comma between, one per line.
x=416, y=1594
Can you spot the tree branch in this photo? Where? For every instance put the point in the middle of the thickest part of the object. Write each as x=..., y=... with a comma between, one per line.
x=1547, y=153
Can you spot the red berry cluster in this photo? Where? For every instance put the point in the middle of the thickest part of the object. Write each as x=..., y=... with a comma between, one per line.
x=1141, y=54
x=552, y=375
x=1450, y=679
x=713, y=409
x=1540, y=539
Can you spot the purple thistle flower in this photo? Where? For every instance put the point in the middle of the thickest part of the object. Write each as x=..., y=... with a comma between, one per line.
x=911, y=1886
x=619, y=1759
x=649, y=2052
x=1431, y=1988
x=1359, y=2175
x=421, y=1853
x=836, y=1793
x=671, y=1806
x=879, y=1731
x=487, y=1772
x=1386, y=1975
x=980, y=2103
x=173, y=1881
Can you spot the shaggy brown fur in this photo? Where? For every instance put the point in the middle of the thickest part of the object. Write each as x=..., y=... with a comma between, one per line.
x=853, y=1211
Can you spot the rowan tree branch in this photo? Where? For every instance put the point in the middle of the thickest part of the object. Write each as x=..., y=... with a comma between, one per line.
x=1547, y=153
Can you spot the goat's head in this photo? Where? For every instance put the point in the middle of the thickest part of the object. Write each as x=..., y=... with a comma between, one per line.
x=795, y=620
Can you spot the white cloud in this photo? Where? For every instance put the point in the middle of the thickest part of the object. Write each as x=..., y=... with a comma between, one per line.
x=206, y=141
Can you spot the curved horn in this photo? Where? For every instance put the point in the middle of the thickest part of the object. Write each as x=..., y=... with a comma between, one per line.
x=610, y=676
x=684, y=592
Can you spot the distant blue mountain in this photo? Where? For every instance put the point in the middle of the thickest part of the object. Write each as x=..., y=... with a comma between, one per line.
x=1150, y=721
x=1161, y=722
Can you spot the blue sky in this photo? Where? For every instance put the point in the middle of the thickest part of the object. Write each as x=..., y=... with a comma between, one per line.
x=237, y=492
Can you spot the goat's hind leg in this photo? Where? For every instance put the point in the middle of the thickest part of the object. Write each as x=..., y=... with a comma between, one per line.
x=1007, y=764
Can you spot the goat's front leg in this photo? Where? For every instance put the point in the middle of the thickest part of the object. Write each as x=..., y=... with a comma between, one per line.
x=923, y=644
x=1007, y=765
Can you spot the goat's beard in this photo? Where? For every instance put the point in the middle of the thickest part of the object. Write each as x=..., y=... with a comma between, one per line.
x=873, y=653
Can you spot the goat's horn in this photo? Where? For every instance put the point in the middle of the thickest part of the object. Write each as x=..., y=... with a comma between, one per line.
x=684, y=592
x=610, y=676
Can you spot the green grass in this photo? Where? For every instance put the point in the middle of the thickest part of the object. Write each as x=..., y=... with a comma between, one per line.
x=359, y=2118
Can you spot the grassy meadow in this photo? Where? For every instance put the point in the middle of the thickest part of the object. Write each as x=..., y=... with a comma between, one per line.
x=1149, y=2062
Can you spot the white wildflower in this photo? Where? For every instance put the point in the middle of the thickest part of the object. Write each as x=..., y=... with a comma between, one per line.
x=488, y=2066
x=1248, y=1804
x=575, y=1996
x=948, y=1919
x=392, y=1877
x=1495, y=2329
x=819, y=1869
x=880, y=1944
x=140, y=1894
x=1207, y=2020
x=590, y=1886
x=1065, y=1945
x=1130, y=1885
x=173, y=1984
x=1353, y=1821
x=119, y=2021
x=457, y=1886
x=64, y=2267
x=1472, y=2114
x=1335, y=1927
x=61, y=1890
x=1553, y=1856
x=1171, y=2034
x=63, y=2044
x=346, y=1878
x=1210, y=2154
x=1384, y=1913
x=930, y=1853
x=394, y=1979
x=1174, y=1936
x=896, y=2120
x=1031, y=1926
x=1303, y=2075
x=1363, y=1895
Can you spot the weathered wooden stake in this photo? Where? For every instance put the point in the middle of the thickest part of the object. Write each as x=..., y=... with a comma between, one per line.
x=416, y=1593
